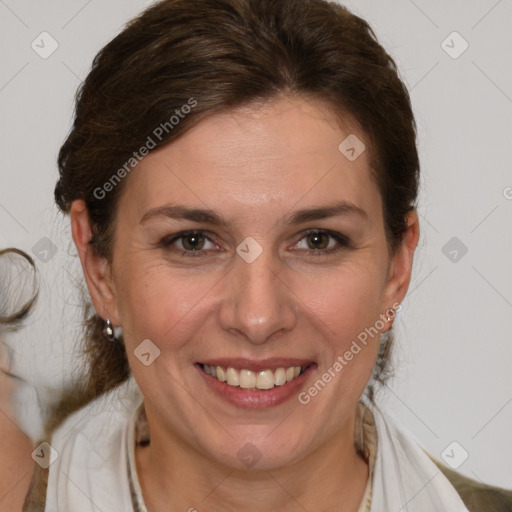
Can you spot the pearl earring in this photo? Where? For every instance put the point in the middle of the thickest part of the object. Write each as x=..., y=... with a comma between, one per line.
x=108, y=330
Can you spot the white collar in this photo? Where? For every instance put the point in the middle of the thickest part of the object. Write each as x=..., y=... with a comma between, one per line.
x=405, y=478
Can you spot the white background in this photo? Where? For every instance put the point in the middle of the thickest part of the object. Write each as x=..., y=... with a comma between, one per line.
x=454, y=348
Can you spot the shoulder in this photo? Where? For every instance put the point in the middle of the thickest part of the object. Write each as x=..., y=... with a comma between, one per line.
x=87, y=457
x=477, y=496
x=15, y=463
x=97, y=427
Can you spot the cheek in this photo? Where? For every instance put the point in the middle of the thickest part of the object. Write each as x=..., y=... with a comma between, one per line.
x=158, y=302
x=345, y=307
x=346, y=299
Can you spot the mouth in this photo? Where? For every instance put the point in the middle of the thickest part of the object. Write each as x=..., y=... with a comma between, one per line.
x=262, y=380
x=256, y=384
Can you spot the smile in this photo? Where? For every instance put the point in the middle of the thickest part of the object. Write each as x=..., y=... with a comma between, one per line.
x=256, y=384
x=254, y=380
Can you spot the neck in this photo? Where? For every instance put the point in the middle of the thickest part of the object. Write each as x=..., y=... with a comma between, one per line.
x=174, y=476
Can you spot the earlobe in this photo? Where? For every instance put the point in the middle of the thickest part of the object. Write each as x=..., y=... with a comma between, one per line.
x=95, y=267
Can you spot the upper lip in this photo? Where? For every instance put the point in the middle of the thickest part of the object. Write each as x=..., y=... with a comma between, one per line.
x=256, y=365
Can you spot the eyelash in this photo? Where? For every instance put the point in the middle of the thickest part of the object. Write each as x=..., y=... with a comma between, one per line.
x=342, y=240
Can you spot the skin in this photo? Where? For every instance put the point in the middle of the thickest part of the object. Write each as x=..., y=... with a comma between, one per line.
x=254, y=166
x=16, y=464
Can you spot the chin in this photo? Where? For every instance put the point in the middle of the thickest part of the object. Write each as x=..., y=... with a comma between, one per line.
x=261, y=449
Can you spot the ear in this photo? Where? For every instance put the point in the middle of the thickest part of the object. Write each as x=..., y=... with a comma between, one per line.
x=400, y=268
x=96, y=268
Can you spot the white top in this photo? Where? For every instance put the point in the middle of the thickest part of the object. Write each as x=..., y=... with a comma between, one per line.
x=96, y=463
x=90, y=472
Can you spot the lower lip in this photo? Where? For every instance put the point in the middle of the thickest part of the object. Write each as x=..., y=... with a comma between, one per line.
x=260, y=399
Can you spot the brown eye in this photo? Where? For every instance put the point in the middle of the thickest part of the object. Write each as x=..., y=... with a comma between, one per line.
x=193, y=241
x=317, y=240
x=189, y=243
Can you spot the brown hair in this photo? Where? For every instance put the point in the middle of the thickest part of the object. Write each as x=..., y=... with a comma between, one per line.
x=16, y=299
x=19, y=289
x=221, y=54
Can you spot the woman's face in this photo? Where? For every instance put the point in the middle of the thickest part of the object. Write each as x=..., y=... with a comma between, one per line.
x=254, y=244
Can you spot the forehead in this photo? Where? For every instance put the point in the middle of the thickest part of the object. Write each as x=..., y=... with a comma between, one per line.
x=284, y=152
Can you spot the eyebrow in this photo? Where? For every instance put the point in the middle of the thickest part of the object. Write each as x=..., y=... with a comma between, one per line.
x=205, y=215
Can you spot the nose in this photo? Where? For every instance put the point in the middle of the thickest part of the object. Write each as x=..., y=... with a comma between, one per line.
x=258, y=304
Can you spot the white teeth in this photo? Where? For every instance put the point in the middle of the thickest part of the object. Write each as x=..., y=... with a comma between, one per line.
x=265, y=380
x=247, y=379
x=232, y=377
x=221, y=374
x=280, y=377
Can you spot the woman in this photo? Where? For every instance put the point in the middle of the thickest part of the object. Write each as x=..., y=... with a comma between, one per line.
x=241, y=179
x=17, y=296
